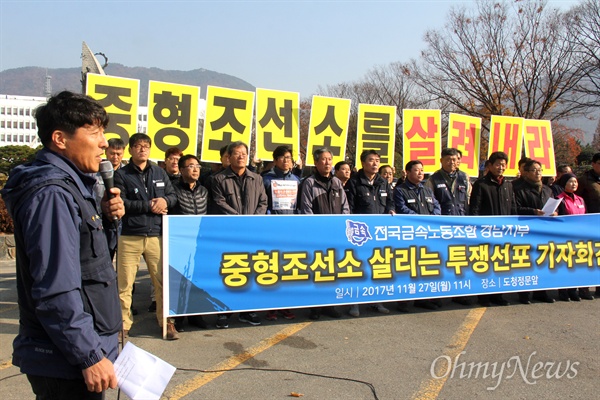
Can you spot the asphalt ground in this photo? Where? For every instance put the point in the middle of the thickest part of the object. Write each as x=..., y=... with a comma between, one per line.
x=544, y=351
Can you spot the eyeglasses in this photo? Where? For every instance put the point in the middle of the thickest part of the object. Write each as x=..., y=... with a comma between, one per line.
x=140, y=147
x=173, y=158
x=285, y=158
x=193, y=166
x=537, y=171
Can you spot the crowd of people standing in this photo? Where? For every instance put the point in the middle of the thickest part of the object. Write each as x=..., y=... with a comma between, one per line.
x=74, y=306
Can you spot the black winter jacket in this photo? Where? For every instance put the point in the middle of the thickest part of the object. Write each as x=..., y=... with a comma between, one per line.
x=489, y=197
x=367, y=198
x=137, y=189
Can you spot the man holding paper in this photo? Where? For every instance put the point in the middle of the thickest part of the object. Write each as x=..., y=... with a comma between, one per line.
x=531, y=196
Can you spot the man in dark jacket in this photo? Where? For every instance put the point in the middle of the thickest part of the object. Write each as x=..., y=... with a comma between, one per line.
x=323, y=193
x=493, y=195
x=68, y=302
x=238, y=191
x=192, y=199
x=369, y=193
x=449, y=185
x=530, y=197
x=413, y=197
x=148, y=195
x=281, y=184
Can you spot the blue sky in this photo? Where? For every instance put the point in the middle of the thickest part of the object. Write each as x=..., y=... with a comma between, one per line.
x=286, y=45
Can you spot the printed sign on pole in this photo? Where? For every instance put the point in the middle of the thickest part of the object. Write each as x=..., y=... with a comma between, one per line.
x=120, y=98
x=506, y=134
x=328, y=127
x=277, y=122
x=464, y=134
x=376, y=130
x=422, y=138
x=228, y=119
x=172, y=118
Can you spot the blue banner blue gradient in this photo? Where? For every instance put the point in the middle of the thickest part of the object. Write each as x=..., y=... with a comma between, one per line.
x=242, y=263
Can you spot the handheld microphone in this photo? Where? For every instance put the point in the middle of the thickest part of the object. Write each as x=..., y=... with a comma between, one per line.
x=107, y=173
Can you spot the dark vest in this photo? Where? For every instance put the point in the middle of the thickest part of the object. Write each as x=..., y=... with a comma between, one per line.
x=452, y=199
x=423, y=199
x=99, y=292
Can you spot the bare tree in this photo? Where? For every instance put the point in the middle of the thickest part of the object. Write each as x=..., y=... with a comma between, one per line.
x=500, y=59
x=583, y=33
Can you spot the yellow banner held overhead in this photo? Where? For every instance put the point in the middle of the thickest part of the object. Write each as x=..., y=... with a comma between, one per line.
x=506, y=134
x=228, y=119
x=120, y=98
x=464, y=134
x=172, y=118
x=537, y=135
x=328, y=127
x=422, y=131
x=376, y=130
x=277, y=122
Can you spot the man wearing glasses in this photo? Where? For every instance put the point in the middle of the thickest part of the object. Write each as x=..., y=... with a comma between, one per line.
x=530, y=197
x=238, y=191
x=148, y=195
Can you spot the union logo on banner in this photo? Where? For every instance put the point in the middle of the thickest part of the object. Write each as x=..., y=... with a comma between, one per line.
x=357, y=232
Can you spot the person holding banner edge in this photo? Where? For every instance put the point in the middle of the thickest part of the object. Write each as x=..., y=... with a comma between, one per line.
x=369, y=193
x=530, y=197
x=413, y=197
x=493, y=195
x=323, y=193
x=238, y=191
x=281, y=186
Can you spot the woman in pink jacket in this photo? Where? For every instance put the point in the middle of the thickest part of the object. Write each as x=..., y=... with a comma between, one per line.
x=571, y=204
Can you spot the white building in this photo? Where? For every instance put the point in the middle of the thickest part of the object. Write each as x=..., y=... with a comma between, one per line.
x=17, y=125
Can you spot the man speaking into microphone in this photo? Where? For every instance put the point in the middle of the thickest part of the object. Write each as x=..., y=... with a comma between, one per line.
x=67, y=292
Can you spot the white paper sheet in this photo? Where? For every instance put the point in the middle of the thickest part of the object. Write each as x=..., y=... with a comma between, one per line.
x=141, y=375
x=551, y=206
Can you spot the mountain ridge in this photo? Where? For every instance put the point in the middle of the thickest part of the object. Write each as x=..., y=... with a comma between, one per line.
x=31, y=81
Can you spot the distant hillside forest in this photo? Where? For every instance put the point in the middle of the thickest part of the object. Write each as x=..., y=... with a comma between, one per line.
x=31, y=81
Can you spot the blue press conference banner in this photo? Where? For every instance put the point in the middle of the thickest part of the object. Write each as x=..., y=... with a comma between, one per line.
x=239, y=263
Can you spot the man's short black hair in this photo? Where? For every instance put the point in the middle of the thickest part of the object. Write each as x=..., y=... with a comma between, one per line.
x=596, y=157
x=450, y=151
x=410, y=164
x=116, y=143
x=281, y=151
x=530, y=164
x=67, y=112
x=339, y=164
x=183, y=159
x=498, y=155
x=139, y=137
x=223, y=150
x=367, y=153
x=524, y=160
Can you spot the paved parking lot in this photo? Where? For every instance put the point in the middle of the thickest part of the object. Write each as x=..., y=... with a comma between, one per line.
x=547, y=351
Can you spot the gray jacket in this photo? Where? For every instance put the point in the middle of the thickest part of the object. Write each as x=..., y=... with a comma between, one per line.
x=239, y=195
